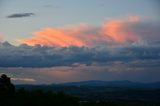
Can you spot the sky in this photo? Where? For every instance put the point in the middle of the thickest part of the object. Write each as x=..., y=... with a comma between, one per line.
x=54, y=41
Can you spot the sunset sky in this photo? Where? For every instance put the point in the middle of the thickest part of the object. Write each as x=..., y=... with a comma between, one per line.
x=53, y=41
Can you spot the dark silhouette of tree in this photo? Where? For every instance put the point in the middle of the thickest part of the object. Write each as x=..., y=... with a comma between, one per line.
x=6, y=87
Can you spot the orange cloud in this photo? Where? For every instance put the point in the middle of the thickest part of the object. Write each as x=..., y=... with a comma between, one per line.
x=133, y=18
x=1, y=37
x=53, y=37
x=117, y=31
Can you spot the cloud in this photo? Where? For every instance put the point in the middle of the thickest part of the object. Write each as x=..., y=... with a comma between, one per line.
x=23, y=79
x=133, y=18
x=119, y=49
x=118, y=30
x=115, y=31
x=45, y=56
x=20, y=15
x=44, y=64
x=137, y=70
x=1, y=38
x=53, y=36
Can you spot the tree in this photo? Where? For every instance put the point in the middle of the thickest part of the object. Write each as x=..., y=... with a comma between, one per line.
x=6, y=87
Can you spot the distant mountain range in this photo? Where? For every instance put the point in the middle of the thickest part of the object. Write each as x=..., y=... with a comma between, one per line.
x=98, y=83
x=124, y=83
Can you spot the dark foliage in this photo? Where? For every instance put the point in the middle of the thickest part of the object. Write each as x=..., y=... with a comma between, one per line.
x=23, y=97
x=85, y=96
x=7, y=89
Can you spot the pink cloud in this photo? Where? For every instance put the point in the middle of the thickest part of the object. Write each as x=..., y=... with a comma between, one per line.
x=1, y=38
x=118, y=30
x=112, y=31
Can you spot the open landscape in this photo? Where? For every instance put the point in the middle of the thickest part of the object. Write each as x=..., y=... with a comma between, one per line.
x=79, y=53
x=85, y=93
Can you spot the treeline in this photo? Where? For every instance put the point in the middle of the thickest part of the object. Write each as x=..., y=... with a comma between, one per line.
x=23, y=97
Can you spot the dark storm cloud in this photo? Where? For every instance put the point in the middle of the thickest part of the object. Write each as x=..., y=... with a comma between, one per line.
x=44, y=56
x=20, y=15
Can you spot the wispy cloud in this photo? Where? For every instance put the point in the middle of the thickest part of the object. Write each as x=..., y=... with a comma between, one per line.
x=1, y=38
x=20, y=15
x=136, y=70
x=119, y=30
x=116, y=31
x=23, y=79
